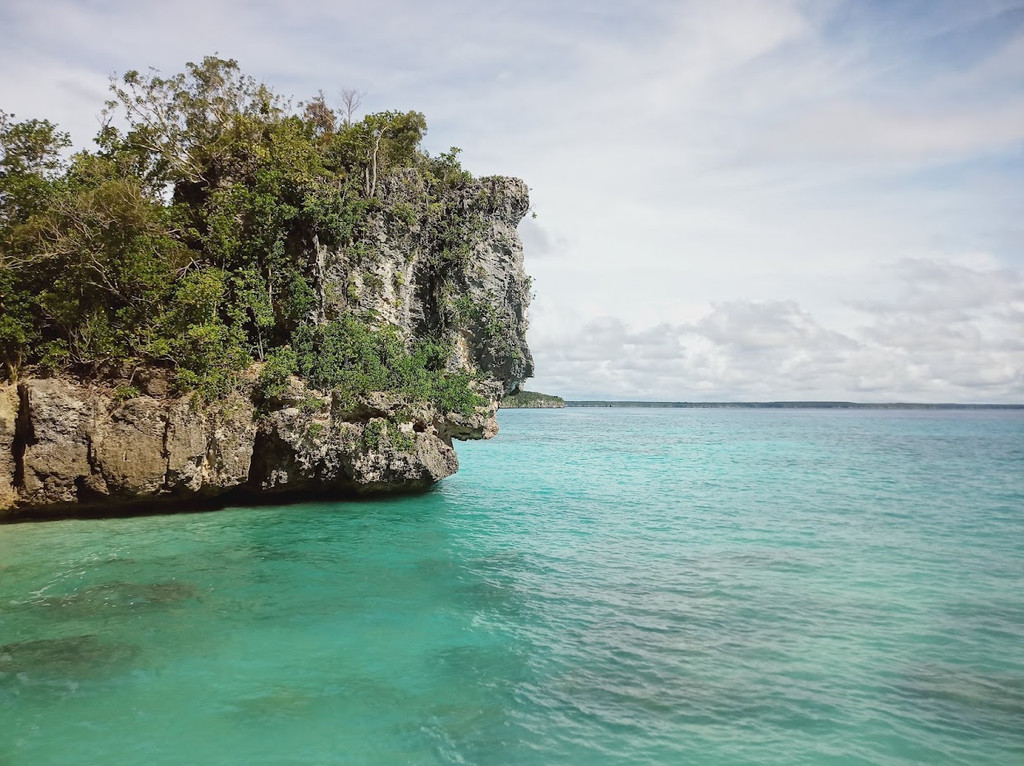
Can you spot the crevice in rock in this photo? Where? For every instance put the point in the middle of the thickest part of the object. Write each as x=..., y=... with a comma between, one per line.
x=165, y=452
x=86, y=492
x=87, y=488
x=259, y=462
x=23, y=436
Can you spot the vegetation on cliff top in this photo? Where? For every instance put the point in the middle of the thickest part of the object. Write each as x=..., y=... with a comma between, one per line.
x=184, y=240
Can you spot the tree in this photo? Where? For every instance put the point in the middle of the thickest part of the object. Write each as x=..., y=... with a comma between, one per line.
x=30, y=171
x=30, y=162
x=351, y=100
x=377, y=143
x=197, y=125
x=190, y=238
x=320, y=117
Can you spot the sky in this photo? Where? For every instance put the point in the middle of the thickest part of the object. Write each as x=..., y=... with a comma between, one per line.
x=735, y=199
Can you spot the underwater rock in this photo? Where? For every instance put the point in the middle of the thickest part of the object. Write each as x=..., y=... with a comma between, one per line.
x=68, y=657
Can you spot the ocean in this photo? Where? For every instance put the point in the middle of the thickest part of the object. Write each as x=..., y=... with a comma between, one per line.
x=614, y=586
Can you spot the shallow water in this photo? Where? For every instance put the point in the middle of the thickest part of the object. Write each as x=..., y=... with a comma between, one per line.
x=593, y=587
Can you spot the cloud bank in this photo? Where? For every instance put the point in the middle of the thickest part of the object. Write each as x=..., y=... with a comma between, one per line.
x=949, y=333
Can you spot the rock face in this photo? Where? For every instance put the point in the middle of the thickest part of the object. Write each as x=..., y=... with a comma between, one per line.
x=394, y=273
x=75, y=445
x=68, y=448
x=368, y=450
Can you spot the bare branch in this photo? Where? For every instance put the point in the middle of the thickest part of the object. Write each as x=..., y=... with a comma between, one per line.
x=351, y=100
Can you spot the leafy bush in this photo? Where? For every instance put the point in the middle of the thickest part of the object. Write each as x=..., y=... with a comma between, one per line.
x=349, y=356
x=273, y=380
x=124, y=393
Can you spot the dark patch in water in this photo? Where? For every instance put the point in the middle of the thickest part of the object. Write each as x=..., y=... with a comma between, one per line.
x=69, y=657
x=278, y=702
x=122, y=595
x=987, y=700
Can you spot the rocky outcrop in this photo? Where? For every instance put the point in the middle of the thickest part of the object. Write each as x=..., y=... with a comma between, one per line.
x=75, y=446
x=380, y=445
x=67, y=447
x=10, y=448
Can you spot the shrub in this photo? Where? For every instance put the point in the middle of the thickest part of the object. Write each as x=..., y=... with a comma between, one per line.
x=278, y=366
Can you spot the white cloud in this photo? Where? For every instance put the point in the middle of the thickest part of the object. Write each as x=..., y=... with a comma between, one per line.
x=857, y=131
x=960, y=345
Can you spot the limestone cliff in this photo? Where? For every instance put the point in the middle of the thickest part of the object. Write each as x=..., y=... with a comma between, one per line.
x=70, y=446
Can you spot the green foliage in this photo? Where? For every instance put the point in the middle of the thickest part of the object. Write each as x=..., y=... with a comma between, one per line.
x=125, y=392
x=30, y=163
x=207, y=350
x=349, y=356
x=400, y=440
x=374, y=434
x=446, y=171
x=184, y=240
x=194, y=127
x=53, y=356
x=310, y=405
x=381, y=432
x=273, y=380
x=491, y=327
x=531, y=399
x=363, y=150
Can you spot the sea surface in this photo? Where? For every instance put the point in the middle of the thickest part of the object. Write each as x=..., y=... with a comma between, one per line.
x=594, y=587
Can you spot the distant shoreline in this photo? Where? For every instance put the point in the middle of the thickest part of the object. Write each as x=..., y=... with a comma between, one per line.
x=795, y=405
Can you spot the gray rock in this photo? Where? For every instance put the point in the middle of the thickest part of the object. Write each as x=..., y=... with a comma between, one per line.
x=391, y=273
x=127, y=446
x=9, y=405
x=57, y=427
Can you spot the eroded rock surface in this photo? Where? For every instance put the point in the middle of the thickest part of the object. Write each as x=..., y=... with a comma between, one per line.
x=67, y=446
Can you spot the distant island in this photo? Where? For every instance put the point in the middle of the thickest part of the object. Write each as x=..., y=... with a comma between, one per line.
x=531, y=400
x=797, y=405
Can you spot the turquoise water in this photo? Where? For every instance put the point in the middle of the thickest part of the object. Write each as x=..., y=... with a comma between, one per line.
x=594, y=587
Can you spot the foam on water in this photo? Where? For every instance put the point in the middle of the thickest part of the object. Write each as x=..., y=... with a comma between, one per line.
x=594, y=587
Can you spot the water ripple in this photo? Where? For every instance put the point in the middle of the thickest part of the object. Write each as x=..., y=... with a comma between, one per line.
x=618, y=587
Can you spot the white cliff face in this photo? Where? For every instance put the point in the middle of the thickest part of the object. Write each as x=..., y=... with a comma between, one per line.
x=498, y=284
x=405, y=271
x=452, y=271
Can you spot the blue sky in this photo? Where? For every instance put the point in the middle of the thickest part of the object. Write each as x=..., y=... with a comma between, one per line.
x=736, y=199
